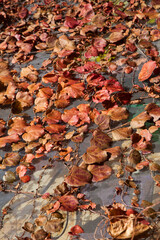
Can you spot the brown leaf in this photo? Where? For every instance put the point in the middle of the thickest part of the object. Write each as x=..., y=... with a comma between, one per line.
x=39, y=235
x=121, y=133
x=50, y=77
x=102, y=121
x=99, y=172
x=94, y=155
x=78, y=177
x=154, y=167
x=41, y=220
x=29, y=227
x=54, y=225
x=118, y=113
x=100, y=139
x=30, y=73
x=66, y=43
x=139, y=120
x=11, y=159
x=115, y=152
x=25, y=99
x=134, y=157
x=116, y=36
x=125, y=228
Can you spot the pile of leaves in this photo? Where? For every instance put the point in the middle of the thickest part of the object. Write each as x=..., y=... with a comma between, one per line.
x=93, y=46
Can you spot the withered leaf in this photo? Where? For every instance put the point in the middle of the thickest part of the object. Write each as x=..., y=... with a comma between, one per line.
x=134, y=157
x=39, y=235
x=100, y=139
x=69, y=203
x=100, y=172
x=139, y=120
x=11, y=159
x=29, y=227
x=154, y=167
x=121, y=133
x=102, y=121
x=54, y=225
x=118, y=113
x=78, y=177
x=33, y=133
x=147, y=70
x=94, y=155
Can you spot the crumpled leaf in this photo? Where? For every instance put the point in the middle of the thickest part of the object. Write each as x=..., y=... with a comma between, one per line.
x=25, y=99
x=54, y=225
x=94, y=155
x=29, y=73
x=125, y=228
x=21, y=170
x=99, y=172
x=50, y=77
x=147, y=70
x=66, y=43
x=101, y=96
x=78, y=177
x=9, y=177
x=122, y=222
x=54, y=116
x=39, y=235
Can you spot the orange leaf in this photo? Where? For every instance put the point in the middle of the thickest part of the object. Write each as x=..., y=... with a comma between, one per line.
x=147, y=70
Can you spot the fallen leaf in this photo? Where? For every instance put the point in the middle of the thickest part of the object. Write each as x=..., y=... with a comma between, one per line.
x=147, y=70
x=94, y=155
x=99, y=172
x=78, y=177
x=69, y=203
x=76, y=230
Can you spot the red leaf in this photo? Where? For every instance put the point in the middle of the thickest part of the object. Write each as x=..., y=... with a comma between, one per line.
x=147, y=70
x=76, y=230
x=100, y=172
x=91, y=52
x=25, y=178
x=101, y=96
x=69, y=203
x=78, y=177
x=23, y=12
x=130, y=211
x=70, y=22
